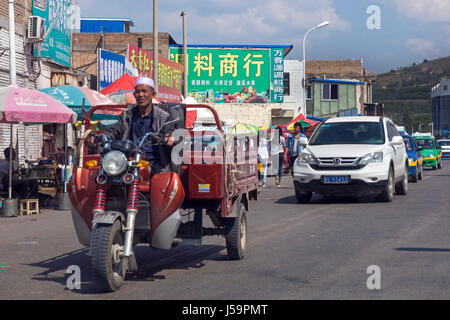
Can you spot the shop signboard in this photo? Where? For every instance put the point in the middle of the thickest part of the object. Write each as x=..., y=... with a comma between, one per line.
x=57, y=24
x=170, y=73
x=111, y=66
x=232, y=75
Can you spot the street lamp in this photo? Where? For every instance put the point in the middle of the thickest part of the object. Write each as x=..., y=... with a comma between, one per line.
x=323, y=24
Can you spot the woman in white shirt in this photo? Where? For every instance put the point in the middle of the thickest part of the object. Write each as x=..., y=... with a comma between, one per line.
x=263, y=155
x=278, y=148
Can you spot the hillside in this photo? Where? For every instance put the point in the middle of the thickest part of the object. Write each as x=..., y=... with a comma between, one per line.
x=406, y=91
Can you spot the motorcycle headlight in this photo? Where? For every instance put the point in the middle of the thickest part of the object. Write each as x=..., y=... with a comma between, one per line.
x=114, y=163
x=373, y=157
x=306, y=158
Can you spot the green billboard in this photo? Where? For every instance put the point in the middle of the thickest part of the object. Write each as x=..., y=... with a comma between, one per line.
x=57, y=23
x=218, y=75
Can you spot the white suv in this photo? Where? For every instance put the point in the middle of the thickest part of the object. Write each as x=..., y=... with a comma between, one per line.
x=444, y=144
x=353, y=155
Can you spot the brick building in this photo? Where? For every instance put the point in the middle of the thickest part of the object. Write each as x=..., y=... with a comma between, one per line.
x=85, y=45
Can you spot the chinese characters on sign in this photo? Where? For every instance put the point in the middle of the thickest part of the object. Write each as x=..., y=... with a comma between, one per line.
x=228, y=75
x=170, y=73
x=277, y=81
x=111, y=66
x=57, y=23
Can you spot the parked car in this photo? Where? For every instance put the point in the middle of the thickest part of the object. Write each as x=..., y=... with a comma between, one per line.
x=431, y=152
x=444, y=144
x=415, y=158
x=353, y=155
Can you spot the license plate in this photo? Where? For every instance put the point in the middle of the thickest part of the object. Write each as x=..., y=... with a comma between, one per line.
x=335, y=179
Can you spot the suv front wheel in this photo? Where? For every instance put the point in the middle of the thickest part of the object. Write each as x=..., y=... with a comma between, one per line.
x=387, y=195
x=303, y=197
x=402, y=187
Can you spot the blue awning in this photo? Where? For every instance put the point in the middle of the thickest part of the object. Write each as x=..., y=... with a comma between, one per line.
x=335, y=81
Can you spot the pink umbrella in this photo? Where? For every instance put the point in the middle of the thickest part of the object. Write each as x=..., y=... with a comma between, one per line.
x=22, y=105
x=32, y=106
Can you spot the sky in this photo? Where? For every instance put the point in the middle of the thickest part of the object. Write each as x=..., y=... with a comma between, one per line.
x=385, y=34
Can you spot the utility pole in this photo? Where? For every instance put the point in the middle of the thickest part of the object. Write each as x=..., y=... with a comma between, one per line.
x=12, y=45
x=155, y=46
x=12, y=77
x=185, y=61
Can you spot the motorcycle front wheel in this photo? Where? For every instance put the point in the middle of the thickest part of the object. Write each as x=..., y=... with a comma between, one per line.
x=108, y=265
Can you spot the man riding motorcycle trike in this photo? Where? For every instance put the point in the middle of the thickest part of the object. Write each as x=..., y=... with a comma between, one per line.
x=130, y=192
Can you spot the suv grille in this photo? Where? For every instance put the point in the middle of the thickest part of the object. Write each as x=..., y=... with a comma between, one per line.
x=337, y=164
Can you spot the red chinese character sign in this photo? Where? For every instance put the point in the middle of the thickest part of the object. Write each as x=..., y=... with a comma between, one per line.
x=170, y=73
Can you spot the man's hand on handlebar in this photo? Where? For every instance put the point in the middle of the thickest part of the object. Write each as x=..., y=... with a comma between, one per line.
x=169, y=140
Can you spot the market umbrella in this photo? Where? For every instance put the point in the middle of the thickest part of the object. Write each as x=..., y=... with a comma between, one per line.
x=73, y=97
x=22, y=105
x=305, y=124
x=267, y=127
x=244, y=128
x=300, y=118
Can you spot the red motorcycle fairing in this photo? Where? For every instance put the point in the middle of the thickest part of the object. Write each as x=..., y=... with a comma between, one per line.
x=166, y=197
x=82, y=187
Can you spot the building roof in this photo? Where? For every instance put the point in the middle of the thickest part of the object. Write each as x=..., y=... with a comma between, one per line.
x=287, y=48
x=126, y=20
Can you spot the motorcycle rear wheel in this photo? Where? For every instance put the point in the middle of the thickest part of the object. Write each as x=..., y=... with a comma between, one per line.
x=108, y=267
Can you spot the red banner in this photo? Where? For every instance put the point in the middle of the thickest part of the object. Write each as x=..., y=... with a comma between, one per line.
x=170, y=73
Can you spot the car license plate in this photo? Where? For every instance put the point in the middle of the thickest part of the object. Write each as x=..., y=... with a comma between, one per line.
x=335, y=179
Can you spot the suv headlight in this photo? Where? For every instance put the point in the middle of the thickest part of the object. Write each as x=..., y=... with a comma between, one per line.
x=306, y=158
x=373, y=157
x=114, y=163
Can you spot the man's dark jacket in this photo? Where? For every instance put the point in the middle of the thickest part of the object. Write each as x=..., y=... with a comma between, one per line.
x=122, y=131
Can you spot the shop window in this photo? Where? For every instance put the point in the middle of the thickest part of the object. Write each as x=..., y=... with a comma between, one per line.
x=309, y=92
x=329, y=91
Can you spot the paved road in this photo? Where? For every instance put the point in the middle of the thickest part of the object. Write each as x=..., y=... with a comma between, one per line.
x=319, y=250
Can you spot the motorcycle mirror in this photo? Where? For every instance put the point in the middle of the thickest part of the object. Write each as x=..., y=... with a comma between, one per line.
x=170, y=122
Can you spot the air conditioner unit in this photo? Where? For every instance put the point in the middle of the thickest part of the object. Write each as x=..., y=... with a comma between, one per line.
x=36, y=28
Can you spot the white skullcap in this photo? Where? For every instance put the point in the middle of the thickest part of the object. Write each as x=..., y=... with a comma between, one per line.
x=145, y=80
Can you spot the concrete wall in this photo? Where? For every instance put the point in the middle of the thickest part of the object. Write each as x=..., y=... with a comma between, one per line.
x=295, y=70
x=253, y=113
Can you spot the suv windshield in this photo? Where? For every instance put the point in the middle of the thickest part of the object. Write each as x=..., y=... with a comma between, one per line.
x=444, y=143
x=425, y=143
x=348, y=133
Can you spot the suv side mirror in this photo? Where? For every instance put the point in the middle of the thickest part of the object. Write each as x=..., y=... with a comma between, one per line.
x=397, y=140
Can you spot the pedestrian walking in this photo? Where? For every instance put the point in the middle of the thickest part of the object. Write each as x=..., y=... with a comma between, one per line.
x=278, y=146
x=263, y=156
x=293, y=145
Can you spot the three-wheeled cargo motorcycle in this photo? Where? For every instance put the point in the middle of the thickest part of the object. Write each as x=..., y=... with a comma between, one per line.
x=117, y=203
